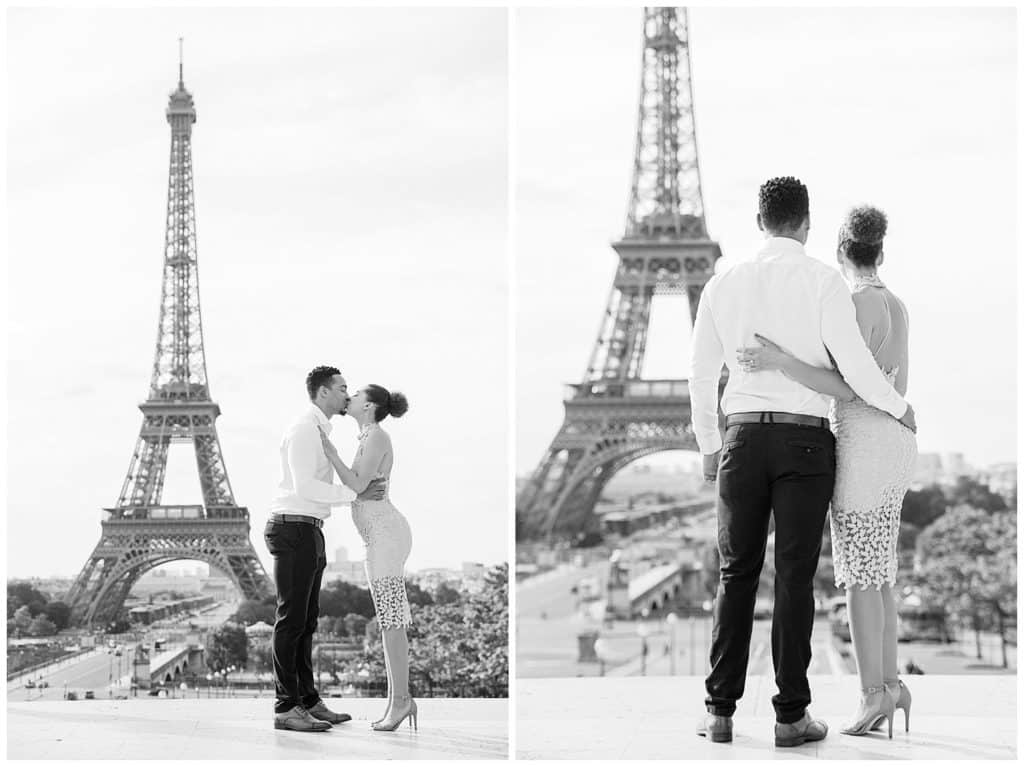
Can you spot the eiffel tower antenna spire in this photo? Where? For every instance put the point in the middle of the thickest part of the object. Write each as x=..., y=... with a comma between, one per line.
x=140, y=531
x=615, y=416
x=181, y=63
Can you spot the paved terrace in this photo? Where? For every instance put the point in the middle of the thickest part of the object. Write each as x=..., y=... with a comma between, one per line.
x=954, y=717
x=150, y=728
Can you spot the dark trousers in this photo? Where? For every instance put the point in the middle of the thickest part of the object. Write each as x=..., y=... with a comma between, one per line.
x=299, y=562
x=788, y=469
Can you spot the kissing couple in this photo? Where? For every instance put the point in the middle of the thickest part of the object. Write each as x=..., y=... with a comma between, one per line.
x=295, y=539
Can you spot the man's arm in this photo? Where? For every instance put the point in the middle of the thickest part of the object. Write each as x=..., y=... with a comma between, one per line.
x=842, y=338
x=706, y=359
x=304, y=447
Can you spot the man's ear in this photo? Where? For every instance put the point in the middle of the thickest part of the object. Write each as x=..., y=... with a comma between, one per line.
x=760, y=224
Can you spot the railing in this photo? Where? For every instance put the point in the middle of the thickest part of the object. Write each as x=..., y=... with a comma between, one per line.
x=190, y=512
x=636, y=389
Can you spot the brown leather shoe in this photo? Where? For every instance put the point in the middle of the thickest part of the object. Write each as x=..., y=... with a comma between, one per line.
x=299, y=720
x=717, y=729
x=324, y=714
x=798, y=733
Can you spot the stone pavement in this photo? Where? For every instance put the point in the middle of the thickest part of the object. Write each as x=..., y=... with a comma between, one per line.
x=953, y=717
x=151, y=728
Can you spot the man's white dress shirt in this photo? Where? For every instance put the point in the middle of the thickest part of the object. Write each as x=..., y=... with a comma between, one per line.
x=802, y=305
x=307, y=477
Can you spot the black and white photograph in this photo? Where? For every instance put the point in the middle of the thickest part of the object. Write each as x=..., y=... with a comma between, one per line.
x=280, y=234
x=765, y=382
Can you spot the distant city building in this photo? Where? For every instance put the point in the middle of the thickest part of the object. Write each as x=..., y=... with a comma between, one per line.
x=473, y=577
x=940, y=468
x=344, y=569
x=1001, y=478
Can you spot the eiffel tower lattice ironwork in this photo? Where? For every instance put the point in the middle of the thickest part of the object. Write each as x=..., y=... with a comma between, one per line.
x=140, y=533
x=615, y=416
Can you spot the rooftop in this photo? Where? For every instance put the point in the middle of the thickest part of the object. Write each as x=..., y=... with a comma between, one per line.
x=150, y=728
x=955, y=717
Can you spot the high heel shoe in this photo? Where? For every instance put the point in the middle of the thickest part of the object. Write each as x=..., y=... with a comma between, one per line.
x=387, y=710
x=409, y=711
x=902, y=700
x=883, y=709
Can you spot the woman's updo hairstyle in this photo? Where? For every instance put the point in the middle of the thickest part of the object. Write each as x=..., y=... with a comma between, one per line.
x=860, y=238
x=388, y=403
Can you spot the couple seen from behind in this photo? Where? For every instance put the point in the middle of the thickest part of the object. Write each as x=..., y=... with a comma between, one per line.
x=805, y=351
x=295, y=539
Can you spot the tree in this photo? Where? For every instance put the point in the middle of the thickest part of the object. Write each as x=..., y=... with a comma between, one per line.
x=21, y=593
x=446, y=595
x=340, y=598
x=21, y=620
x=417, y=594
x=970, y=492
x=924, y=506
x=41, y=626
x=59, y=613
x=355, y=625
x=969, y=564
x=252, y=611
x=227, y=646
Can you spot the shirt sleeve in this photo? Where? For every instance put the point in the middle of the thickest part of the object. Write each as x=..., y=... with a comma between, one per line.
x=842, y=337
x=303, y=450
x=706, y=359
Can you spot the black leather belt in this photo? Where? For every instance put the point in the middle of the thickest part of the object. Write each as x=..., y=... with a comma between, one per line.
x=297, y=518
x=775, y=417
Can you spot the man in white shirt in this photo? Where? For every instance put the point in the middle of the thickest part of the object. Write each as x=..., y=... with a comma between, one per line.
x=295, y=539
x=778, y=453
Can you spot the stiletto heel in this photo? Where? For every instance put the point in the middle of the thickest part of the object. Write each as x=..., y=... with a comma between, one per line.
x=901, y=699
x=873, y=715
x=411, y=713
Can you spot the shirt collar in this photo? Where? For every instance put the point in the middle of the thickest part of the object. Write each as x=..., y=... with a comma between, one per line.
x=321, y=420
x=781, y=246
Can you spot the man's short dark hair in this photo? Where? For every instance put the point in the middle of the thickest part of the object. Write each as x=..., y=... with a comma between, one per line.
x=320, y=376
x=782, y=203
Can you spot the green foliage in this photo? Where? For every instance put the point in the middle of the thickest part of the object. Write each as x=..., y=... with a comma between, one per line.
x=446, y=595
x=456, y=649
x=20, y=621
x=354, y=625
x=417, y=594
x=22, y=593
x=969, y=492
x=41, y=626
x=462, y=647
x=340, y=598
x=969, y=564
x=924, y=506
x=252, y=611
x=227, y=646
x=59, y=613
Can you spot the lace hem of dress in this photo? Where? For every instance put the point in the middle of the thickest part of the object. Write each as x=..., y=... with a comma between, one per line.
x=864, y=543
x=391, y=602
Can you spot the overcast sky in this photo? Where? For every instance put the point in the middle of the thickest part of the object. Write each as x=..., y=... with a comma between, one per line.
x=350, y=175
x=912, y=110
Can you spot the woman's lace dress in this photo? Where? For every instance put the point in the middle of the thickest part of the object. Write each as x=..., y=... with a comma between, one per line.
x=388, y=541
x=875, y=457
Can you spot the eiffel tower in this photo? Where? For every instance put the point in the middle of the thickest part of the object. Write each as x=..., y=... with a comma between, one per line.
x=140, y=533
x=615, y=416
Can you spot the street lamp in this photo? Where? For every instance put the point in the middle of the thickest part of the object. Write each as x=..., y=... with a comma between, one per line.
x=672, y=619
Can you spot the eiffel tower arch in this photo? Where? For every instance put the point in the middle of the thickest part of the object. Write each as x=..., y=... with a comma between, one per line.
x=615, y=416
x=140, y=532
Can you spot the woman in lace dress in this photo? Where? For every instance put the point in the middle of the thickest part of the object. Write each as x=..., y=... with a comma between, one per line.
x=875, y=456
x=388, y=541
